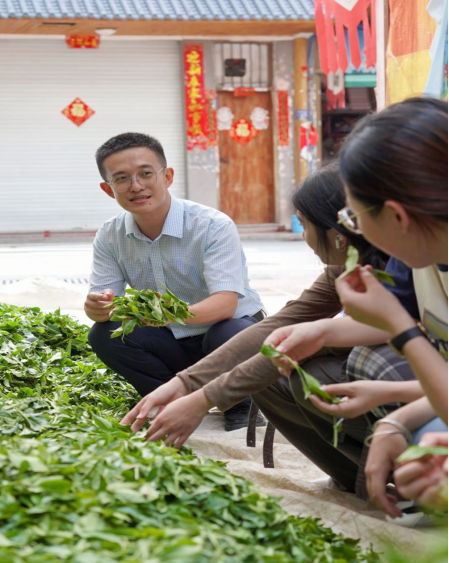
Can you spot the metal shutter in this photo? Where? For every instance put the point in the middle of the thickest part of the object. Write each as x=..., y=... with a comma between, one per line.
x=48, y=176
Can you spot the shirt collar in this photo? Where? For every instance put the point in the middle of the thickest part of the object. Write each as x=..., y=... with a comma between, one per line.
x=174, y=222
x=173, y=226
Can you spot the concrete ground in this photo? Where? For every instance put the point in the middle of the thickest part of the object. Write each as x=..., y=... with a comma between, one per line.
x=278, y=269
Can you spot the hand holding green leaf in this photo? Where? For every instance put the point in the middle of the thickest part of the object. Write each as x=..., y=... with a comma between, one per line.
x=310, y=385
x=352, y=260
x=417, y=452
x=146, y=307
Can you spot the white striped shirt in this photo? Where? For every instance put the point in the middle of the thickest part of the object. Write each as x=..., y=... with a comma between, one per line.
x=197, y=254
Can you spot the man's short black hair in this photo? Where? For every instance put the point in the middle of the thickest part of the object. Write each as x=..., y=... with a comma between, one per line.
x=128, y=141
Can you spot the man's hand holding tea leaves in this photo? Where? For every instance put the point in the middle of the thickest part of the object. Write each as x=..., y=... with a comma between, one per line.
x=147, y=308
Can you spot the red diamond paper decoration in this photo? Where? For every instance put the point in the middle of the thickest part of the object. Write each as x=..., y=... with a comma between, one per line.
x=78, y=112
x=242, y=131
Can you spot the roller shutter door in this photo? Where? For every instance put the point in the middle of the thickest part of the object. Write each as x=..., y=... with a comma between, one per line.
x=48, y=176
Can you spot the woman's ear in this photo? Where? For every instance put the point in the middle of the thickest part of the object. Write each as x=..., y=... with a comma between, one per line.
x=341, y=242
x=107, y=189
x=398, y=214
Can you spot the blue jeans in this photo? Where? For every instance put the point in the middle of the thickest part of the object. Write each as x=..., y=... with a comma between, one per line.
x=434, y=425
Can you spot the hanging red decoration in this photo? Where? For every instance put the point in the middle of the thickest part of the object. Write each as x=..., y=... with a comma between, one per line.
x=331, y=17
x=82, y=41
x=308, y=135
x=211, y=118
x=78, y=112
x=243, y=92
x=195, y=97
x=283, y=119
x=242, y=131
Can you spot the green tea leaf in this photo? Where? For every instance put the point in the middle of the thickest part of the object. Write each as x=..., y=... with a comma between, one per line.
x=352, y=260
x=383, y=277
x=417, y=452
x=310, y=385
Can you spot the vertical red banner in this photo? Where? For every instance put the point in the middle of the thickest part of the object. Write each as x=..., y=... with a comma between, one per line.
x=211, y=111
x=196, y=105
x=283, y=119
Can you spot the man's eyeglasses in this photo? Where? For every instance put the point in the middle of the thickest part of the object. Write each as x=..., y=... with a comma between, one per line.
x=348, y=218
x=145, y=178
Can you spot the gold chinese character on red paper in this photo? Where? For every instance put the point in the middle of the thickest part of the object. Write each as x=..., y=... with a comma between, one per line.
x=78, y=112
x=242, y=131
x=196, y=114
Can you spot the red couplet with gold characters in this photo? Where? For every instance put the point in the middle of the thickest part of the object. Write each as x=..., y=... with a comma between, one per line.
x=195, y=95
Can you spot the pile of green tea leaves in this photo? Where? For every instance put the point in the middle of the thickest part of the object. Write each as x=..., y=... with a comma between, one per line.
x=144, y=307
x=77, y=487
x=310, y=385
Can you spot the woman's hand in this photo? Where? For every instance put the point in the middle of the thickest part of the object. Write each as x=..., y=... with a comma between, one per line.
x=383, y=452
x=162, y=396
x=179, y=419
x=297, y=341
x=424, y=479
x=366, y=300
x=359, y=397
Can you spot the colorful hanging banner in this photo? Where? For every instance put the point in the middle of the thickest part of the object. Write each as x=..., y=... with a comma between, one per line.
x=331, y=18
x=408, y=57
x=78, y=112
x=82, y=41
x=196, y=106
x=283, y=119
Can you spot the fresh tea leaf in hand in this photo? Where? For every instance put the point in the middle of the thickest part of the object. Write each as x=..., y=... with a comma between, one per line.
x=147, y=307
x=310, y=384
x=351, y=262
x=417, y=452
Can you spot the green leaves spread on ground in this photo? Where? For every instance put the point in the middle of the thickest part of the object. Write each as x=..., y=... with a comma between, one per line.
x=310, y=385
x=76, y=487
x=352, y=260
x=140, y=308
x=417, y=452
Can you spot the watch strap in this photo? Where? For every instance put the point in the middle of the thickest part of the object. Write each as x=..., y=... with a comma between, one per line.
x=399, y=341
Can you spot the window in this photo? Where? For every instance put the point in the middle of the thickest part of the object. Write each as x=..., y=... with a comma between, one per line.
x=242, y=65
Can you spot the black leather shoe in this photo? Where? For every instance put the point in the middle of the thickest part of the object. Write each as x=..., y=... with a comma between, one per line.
x=237, y=416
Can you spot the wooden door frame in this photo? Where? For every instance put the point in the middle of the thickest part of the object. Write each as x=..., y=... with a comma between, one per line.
x=272, y=91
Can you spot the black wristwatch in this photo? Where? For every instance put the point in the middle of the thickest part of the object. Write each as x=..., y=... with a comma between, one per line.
x=399, y=341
